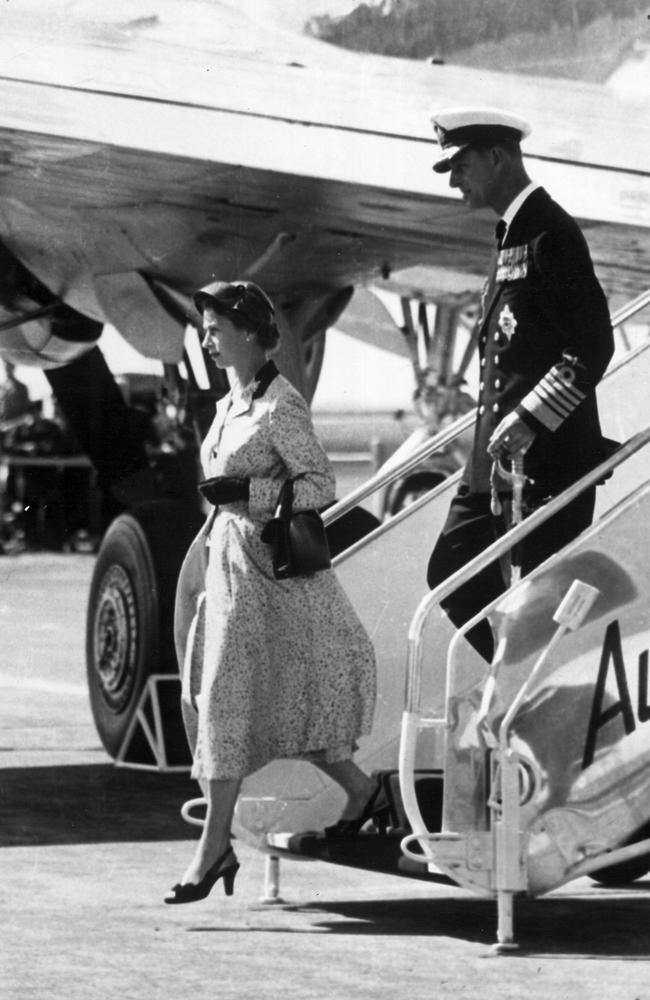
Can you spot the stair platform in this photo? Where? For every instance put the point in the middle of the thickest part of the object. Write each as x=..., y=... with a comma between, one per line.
x=373, y=852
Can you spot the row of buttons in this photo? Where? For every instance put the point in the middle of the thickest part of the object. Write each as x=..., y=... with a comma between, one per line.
x=497, y=382
x=497, y=337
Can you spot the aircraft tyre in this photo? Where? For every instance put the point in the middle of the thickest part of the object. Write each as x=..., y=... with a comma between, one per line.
x=129, y=628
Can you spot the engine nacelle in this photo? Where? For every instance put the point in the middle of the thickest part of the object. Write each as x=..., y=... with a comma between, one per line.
x=37, y=345
x=36, y=327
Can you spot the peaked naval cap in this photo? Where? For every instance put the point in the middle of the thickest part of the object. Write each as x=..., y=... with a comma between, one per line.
x=458, y=128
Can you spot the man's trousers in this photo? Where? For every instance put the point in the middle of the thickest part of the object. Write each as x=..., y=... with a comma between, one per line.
x=470, y=528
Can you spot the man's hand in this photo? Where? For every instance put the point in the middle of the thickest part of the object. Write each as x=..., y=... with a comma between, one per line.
x=510, y=437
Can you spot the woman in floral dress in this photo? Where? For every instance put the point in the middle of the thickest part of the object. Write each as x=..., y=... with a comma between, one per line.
x=276, y=668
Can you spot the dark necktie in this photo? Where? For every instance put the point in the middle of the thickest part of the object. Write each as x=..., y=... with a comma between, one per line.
x=500, y=232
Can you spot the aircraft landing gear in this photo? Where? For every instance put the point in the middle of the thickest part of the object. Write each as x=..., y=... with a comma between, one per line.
x=131, y=610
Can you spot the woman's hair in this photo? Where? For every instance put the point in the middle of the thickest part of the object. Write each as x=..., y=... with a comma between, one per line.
x=245, y=305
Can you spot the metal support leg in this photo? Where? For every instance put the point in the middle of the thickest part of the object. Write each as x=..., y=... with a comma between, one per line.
x=510, y=867
x=510, y=877
x=272, y=881
x=505, y=922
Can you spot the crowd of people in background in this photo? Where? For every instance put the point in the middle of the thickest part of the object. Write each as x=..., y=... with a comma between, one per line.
x=47, y=500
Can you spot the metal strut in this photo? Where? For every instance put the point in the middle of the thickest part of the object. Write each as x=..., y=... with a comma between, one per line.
x=27, y=317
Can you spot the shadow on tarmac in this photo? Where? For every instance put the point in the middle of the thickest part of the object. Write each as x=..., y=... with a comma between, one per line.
x=91, y=804
x=553, y=925
x=95, y=804
x=611, y=927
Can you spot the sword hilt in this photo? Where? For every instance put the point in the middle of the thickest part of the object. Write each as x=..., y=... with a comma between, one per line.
x=517, y=479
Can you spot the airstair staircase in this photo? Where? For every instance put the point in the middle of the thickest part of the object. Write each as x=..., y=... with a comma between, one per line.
x=513, y=778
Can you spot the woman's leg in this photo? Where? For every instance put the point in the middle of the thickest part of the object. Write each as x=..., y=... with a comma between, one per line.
x=354, y=782
x=221, y=796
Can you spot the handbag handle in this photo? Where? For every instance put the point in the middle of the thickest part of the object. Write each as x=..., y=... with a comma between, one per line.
x=285, y=500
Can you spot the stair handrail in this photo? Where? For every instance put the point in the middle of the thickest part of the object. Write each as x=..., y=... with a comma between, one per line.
x=631, y=308
x=505, y=543
x=388, y=475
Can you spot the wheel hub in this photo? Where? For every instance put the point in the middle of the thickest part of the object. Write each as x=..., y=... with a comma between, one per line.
x=115, y=638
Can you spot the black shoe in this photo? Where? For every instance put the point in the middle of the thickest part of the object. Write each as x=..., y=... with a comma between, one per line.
x=225, y=867
x=377, y=809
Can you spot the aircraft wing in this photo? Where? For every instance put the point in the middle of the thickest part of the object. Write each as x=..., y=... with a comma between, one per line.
x=150, y=145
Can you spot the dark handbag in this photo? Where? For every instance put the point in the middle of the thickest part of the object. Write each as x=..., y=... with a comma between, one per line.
x=297, y=539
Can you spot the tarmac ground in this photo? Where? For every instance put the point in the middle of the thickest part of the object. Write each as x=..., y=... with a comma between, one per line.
x=87, y=851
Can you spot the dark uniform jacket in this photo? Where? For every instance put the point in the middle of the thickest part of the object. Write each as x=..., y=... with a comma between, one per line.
x=545, y=341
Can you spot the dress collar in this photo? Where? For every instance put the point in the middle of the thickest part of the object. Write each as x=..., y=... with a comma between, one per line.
x=263, y=379
x=242, y=398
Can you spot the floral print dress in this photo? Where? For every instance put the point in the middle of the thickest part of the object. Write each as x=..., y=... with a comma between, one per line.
x=273, y=668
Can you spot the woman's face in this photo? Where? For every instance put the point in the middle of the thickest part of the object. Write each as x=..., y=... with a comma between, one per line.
x=227, y=345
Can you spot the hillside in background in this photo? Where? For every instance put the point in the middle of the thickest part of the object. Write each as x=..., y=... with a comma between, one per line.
x=292, y=14
x=577, y=39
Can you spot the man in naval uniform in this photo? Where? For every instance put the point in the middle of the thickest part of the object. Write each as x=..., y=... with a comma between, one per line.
x=545, y=340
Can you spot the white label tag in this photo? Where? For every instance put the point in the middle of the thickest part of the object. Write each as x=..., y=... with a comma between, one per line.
x=576, y=605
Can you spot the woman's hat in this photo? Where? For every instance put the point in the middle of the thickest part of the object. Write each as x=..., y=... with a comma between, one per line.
x=242, y=297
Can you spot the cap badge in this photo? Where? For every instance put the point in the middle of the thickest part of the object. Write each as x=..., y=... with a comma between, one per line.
x=441, y=134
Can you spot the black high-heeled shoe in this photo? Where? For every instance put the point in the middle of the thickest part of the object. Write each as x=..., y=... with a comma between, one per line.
x=225, y=867
x=377, y=809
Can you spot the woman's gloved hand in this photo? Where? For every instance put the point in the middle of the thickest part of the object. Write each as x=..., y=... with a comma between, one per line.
x=224, y=489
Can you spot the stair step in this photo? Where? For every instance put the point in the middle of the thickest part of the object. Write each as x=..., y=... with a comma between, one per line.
x=368, y=851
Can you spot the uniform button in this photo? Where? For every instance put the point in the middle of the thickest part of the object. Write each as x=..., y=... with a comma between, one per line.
x=481, y=385
x=497, y=337
x=496, y=359
x=482, y=362
x=495, y=408
x=497, y=384
x=481, y=410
